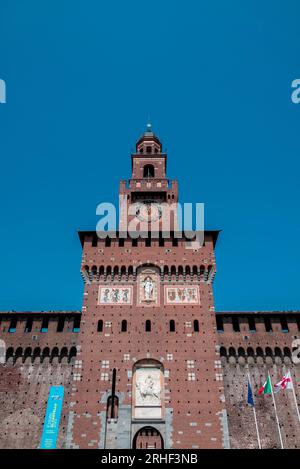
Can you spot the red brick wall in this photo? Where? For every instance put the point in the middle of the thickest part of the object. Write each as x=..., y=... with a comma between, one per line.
x=195, y=405
x=36, y=361
x=24, y=383
x=258, y=353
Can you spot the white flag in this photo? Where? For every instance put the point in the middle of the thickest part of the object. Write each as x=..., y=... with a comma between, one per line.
x=284, y=383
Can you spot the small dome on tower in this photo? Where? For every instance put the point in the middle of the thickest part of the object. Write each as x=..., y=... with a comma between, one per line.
x=148, y=143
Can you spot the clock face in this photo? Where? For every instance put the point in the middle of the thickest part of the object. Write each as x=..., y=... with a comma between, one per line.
x=148, y=211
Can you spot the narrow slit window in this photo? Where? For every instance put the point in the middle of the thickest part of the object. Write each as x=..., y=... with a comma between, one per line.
x=124, y=326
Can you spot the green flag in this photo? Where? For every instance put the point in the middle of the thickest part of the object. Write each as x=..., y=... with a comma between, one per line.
x=266, y=388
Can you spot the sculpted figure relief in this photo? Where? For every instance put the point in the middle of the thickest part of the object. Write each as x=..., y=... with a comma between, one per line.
x=147, y=388
x=148, y=288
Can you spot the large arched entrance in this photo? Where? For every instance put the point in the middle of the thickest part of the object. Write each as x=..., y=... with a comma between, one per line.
x=148, y=438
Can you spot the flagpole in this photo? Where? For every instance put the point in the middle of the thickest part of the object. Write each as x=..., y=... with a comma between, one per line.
x=295, y=398
x=275, y=408
x=255, y=419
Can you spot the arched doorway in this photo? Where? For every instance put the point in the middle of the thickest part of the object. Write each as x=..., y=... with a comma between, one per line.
x=148, y=438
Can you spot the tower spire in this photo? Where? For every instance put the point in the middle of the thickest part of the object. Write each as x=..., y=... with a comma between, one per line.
x=149, y=125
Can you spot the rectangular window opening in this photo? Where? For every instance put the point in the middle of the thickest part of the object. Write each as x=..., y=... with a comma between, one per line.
x=235, y=324
x=252, y=325
x=268, y=324
x=220, y=325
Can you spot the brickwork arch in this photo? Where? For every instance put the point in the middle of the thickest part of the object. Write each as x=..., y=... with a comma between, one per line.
x=29, y=355
x=180, y=273
x=259, y=356
x=148, y=437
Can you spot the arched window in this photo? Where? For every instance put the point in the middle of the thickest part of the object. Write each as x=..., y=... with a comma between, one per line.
x=100, y=326
x=269, y=352
x=72, y=353
x=45, y=353
x=124, y=326
x=27, y=353
x=148, y=171
x=63, y=353
x=148, y=325
x=54, y=354
x=196, y=325
x=9, y=353
x=172, y=325
x=19, y=353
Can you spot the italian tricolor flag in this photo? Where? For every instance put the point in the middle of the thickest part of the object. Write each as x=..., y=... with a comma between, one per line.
x=266, y=388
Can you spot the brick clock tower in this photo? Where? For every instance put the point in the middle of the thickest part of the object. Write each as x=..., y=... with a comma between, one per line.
x=148, y=371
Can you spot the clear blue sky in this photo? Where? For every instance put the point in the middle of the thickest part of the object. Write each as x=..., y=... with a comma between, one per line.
x=215, y=77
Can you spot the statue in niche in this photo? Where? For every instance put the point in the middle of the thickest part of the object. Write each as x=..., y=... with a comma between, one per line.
x=148, y=288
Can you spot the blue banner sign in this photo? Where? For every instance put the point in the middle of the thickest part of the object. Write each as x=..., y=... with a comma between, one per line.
x=52, y=418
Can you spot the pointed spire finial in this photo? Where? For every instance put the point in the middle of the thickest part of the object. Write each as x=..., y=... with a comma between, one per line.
x=149, y=125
